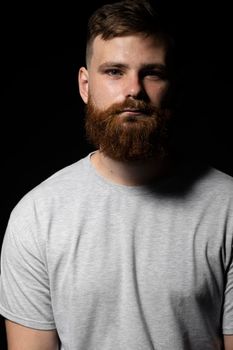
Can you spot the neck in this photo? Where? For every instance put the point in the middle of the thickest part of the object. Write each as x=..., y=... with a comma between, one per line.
x=133, y=173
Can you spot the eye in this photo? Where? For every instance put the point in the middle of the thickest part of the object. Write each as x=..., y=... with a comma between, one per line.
x=154, y=74
x=114, y=72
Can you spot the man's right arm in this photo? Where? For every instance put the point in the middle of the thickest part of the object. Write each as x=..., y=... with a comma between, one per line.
x=24, y=338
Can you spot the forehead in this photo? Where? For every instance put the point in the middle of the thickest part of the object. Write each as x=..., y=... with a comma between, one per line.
x=137, y=49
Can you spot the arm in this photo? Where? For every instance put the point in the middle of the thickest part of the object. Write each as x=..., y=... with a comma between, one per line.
x=24, y=338
x=228, y=342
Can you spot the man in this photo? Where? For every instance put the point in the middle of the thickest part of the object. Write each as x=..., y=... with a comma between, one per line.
x=125, y=249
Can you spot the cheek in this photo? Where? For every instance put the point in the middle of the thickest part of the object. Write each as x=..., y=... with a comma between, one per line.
x=104, y=94
x=157, y=93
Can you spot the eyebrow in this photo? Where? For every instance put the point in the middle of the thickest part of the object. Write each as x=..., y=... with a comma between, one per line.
x=160, y=66
x=105, y=65
x=111, y=64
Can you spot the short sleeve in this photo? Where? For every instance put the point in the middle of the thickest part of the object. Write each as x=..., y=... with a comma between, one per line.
x=24, y=283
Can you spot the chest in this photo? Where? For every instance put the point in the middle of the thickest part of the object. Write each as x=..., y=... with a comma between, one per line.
x=157, y=249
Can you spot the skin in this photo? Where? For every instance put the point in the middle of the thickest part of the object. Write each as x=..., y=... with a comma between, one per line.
x=107, y=83
x=24, y=338
x=125, y=67
x=228, y=342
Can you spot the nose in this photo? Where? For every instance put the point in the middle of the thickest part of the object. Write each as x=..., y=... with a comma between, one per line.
x=134, y=87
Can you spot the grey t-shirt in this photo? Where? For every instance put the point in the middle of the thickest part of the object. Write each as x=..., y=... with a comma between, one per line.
x=115, y=267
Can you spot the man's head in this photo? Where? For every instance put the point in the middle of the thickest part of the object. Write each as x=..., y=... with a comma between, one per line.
x=127, y=80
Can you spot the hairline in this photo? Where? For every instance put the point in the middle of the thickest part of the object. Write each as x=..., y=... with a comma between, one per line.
x=160, y=36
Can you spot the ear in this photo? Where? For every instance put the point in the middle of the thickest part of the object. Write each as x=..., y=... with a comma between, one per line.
x=83, y=83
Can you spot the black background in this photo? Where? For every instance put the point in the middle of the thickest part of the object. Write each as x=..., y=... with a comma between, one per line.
x=42, y=47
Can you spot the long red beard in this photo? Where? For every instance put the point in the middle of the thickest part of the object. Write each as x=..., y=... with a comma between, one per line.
x=128, y=138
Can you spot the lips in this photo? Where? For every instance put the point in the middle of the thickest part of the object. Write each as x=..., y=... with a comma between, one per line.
x=132, y=112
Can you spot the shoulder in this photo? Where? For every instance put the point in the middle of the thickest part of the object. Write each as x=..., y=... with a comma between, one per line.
x=217, y=181
x=57, y=191
x=201, y=183
x=214, y=189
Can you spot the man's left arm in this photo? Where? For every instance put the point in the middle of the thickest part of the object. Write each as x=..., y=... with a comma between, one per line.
x=228, y=342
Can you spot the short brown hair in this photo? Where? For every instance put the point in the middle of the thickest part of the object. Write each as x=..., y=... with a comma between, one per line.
x=123, y=18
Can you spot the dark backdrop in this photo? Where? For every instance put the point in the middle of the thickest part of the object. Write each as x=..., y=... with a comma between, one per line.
x=42, y=47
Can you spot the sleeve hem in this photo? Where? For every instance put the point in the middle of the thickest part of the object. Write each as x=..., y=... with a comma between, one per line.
x=27, y=322
x=227, y=331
